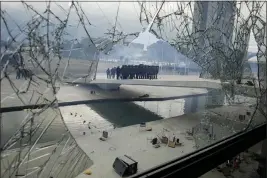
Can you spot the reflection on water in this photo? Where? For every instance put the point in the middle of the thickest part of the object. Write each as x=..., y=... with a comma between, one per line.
x=125, y=114
x=172, y=108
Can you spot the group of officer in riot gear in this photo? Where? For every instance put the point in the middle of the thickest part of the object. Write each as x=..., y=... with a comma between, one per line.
x=133, y=72
x=23, y=73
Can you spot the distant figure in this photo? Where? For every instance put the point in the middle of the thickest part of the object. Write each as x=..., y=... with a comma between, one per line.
x=113, y=71
x=23, y=73
x=118, y=71
x=108, y=73
x=18, y=73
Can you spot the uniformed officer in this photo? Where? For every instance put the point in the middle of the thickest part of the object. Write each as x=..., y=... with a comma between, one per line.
x=118, y=72
x=108, y=73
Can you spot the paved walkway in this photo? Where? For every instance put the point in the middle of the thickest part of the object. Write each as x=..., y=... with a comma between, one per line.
x=135, y=143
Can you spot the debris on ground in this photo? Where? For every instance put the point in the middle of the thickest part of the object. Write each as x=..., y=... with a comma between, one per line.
x=164, y=139
x=154, y=141
x=149, y=129
x=144, y=96
x=102, y=139
x=142, y=126
x=156, y=146
x=171, y=144
x=125, y=166
x=104, y=136
x=87, y=172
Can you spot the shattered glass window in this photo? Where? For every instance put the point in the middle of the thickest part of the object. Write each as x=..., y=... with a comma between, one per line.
x=85, y=82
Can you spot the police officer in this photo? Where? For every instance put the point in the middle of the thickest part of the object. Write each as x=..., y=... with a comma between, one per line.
x=112, y=73
x=18, y=72
x=127, y=68
x=142, y=72
x=118, y=71
x=123, y=72
x=135, y=71
x=131, y=71
x=108, y=73
x=146, y=71
x=157, y=71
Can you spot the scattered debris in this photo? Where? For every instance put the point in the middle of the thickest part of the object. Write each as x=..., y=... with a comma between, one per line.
x=179, y=144
x=154, y=141
x=171, y=144
x=104, y=136
x=177, y=141
x=83, y=133
x=87, y=172
x=144, y=96
x=84, y=122
x=142, y=126
x=125, y=166
x=149, y=129
x=164, y=139
x=102, y=139
x=156, y=146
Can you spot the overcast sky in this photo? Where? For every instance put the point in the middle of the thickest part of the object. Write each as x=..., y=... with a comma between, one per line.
x=100, y=14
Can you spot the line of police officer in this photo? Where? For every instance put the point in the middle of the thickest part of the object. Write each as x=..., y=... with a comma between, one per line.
x=134, y=72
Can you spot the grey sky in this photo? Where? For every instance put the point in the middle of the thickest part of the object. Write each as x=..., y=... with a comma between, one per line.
x=100, y=14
